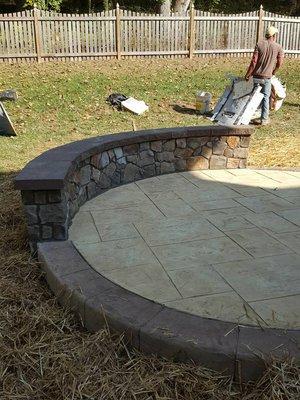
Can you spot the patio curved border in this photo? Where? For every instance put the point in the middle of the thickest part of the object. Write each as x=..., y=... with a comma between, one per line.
x=237, y=350
x=58, y=182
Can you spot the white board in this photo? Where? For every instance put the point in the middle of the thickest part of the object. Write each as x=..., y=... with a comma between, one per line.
x=135, y=106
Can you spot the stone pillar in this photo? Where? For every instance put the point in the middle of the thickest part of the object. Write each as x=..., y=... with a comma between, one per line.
x=47, y=215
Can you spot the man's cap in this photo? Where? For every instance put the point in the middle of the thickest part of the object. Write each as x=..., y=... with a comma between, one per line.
x=271, y=31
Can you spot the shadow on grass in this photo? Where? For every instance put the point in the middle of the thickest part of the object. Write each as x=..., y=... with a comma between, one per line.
x=288, y=103
x=189, y=111
x=184, y=110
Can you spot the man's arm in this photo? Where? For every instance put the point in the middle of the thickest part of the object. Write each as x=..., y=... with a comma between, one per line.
x=279, y=61
x=252, y=64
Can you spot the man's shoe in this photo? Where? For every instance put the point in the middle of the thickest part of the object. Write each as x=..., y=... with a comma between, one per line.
x=256, y=121
x=266, y=121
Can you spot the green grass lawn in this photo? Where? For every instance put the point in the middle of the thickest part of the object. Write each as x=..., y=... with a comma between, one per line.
x=61, y=102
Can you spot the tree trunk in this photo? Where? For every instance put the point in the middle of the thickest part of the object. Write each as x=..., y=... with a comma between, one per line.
x=165, y=7
x=89, y=6
x=295, y=7
x=106, y=5
x=181, y=6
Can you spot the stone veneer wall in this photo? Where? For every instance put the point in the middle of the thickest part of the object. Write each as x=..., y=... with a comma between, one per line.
x=49, y=210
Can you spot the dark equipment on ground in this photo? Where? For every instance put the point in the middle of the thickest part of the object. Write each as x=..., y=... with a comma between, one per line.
x=115, y=99
x=6, y=126
x=9, y=94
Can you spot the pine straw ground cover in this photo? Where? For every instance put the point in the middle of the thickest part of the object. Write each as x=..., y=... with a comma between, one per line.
x=45, y=353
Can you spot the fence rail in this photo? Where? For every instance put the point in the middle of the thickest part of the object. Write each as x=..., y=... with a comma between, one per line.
x=37, y=35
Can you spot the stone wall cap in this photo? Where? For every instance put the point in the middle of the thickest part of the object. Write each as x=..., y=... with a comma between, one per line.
x=49, y=170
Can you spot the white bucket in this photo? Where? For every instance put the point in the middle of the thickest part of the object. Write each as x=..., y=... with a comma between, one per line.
x=203, y=100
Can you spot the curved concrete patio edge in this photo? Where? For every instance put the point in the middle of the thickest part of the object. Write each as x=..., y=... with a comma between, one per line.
x=240, y=351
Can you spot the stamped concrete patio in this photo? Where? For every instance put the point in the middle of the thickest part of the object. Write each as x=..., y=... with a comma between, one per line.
x=223, y=244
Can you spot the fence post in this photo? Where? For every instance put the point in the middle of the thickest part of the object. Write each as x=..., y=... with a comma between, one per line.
x=260, y=26
x=192, y=31
x=37, y=34
x=118, y=31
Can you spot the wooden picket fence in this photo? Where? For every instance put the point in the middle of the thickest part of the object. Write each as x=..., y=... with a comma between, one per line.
x=37, y=35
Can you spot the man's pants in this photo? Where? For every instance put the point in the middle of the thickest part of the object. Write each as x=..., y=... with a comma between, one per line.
x=266, y=91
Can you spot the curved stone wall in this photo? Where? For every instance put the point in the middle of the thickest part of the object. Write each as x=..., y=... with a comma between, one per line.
x=57, y=183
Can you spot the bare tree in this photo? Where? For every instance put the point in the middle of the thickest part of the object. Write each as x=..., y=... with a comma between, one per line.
x=181, y=6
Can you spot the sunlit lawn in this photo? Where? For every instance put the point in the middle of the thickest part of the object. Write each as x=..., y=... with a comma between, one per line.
x=62, y=102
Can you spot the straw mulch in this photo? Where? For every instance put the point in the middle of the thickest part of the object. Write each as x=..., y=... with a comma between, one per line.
x=46, y=354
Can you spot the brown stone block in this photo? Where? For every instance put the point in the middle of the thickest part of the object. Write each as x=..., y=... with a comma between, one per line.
x=104, y=181
x=60, y=231
x=219, y=147
x=166, y=167
x=156, y=146
x=167, y=156
x=104, y=160
x=144, y=146
x=31, y=212
x=91, y=190
x=72, y=190
x=169, y=145
x=218, y=162
x=40, y=197
x=195, y=163
x=233, y=141
x=180, y=164
x=146, y=158
x=183, y=152
x=245, y=141
x=95, y=174
x=206, y=152
x=56, y=213
x=46, y=232
x=27, y=196
x=85, y=175
x=132, y=159
x=149, y=171
x=240, y=152
x=233, y=163
x=194, y=143
x=243, y=163
x=55, y=196
x=95, y=160
x=228, y=152
x=110, y=169
x=181, y=143
x=197, y=152
x=111, y=155
x=73, y=208
x=223, y=138
x=131, y=149
x=131, y=173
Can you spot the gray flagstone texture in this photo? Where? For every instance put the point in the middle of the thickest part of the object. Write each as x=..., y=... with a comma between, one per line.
x=222, y=244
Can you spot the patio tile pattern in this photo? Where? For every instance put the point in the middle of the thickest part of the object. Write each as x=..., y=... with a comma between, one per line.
x=221, y=244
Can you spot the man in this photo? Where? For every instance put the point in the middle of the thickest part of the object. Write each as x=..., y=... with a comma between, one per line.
x=266, y=60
